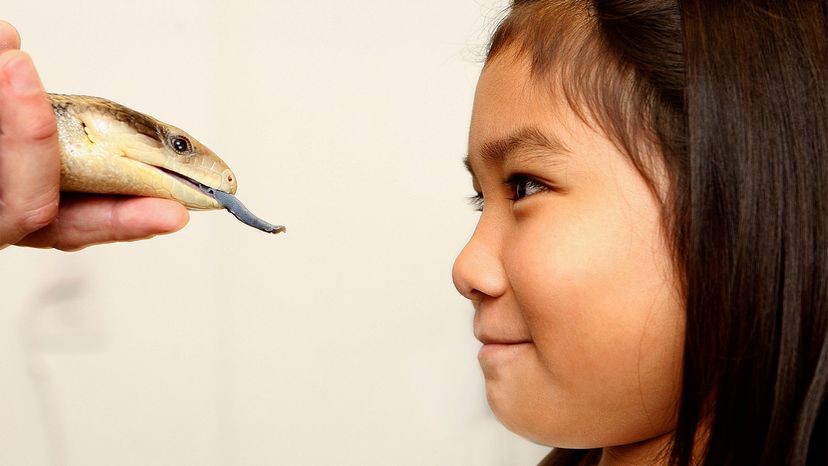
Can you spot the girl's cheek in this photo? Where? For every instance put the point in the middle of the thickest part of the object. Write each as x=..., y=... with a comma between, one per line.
x=571, y=272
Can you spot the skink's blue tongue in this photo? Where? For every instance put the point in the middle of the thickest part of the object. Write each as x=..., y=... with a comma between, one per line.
x=235, y=207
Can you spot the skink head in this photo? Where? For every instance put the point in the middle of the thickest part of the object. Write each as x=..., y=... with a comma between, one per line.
x=181, y=161
x=186, y=156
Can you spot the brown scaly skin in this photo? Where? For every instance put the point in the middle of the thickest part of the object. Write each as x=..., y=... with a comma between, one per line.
x=107, y=148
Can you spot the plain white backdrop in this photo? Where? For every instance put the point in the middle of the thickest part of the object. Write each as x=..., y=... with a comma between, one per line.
x=342, y=342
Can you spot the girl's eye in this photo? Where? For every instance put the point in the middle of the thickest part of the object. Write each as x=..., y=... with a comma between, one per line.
x=477, y=201
x=523, y=186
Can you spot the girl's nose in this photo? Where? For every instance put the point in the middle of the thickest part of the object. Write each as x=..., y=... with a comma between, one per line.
x=478, y=271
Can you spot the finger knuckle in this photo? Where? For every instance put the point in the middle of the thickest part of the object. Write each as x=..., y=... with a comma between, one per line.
x=31, y=220
x=42, y=126
x=70, y=247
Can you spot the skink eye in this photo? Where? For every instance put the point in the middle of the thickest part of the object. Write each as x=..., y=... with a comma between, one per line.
x=181, y=145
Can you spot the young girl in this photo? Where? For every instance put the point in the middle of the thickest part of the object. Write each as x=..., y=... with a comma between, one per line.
x=650, y=269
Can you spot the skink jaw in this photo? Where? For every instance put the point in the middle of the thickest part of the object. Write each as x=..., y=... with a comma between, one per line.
x=189, y=192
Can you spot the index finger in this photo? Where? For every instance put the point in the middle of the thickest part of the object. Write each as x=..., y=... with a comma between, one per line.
x=9, y=38
x=85, y=220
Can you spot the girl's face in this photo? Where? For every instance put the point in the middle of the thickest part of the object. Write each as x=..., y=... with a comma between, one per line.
x=575, y=298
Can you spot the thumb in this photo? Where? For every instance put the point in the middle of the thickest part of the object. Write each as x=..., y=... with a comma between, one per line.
x=9, y=38
x=29, y=151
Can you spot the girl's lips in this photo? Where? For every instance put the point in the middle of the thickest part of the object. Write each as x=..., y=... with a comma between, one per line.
x=494, y=337
x=498, y=353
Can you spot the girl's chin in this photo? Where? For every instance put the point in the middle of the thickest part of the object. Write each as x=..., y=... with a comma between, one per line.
x=522, y=395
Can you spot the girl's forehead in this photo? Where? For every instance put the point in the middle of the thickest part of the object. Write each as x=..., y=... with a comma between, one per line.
x=502, y=98
x=509, y=100
x=506, y=80
x=516, y=113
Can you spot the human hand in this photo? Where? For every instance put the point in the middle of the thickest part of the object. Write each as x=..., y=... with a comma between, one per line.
x=33, y=212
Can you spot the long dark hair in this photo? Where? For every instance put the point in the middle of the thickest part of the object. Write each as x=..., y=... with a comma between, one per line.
x=732, y=95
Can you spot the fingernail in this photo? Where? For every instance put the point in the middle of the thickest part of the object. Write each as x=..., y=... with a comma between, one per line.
x=9, y=38
x=22, y=75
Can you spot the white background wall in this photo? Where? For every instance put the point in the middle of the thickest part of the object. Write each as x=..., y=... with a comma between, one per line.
x=342, y=342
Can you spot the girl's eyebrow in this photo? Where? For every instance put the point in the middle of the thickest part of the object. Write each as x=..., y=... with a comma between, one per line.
x=526, y=139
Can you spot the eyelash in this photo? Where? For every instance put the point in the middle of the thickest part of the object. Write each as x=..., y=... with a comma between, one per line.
x=529, y=185
x=519, y=185
x=476, y=201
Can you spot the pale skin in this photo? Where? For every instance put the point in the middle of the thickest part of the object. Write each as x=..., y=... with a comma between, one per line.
x=32, y=211
x=570, y=277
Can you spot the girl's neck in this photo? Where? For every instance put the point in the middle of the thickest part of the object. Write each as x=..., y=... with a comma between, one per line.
x=649, y=452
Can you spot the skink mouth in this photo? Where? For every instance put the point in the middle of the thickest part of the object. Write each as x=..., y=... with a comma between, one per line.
x=188, y=191
x=202, y=188
x=227, y=201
